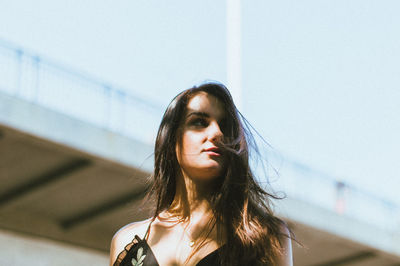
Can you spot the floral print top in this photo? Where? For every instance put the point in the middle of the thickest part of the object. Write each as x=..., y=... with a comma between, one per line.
x=139, y=253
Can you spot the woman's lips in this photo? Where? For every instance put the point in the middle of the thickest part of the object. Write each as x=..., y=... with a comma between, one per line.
x=213, y=151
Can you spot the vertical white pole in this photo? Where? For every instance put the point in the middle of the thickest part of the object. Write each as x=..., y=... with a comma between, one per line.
x=233, y=50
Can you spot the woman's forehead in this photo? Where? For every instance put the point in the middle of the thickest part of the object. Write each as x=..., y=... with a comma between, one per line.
x=206, y=103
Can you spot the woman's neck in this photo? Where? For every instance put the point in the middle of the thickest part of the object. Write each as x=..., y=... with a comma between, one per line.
x=191, y=207
x=191, y=198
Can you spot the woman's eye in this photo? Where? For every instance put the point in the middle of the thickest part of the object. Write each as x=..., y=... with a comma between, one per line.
x=199, y=122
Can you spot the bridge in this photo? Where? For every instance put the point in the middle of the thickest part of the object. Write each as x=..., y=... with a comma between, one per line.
x=75, y=155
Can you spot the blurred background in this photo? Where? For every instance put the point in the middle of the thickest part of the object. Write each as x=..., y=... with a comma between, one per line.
x=83, y=86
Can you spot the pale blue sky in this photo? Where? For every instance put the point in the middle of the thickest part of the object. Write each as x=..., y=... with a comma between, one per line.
x=321, y=79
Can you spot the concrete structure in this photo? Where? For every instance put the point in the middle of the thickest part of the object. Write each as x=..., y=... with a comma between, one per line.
x=70, y=177
x=16, y=249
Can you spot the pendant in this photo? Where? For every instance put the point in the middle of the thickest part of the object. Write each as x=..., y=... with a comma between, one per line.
x=191, y=243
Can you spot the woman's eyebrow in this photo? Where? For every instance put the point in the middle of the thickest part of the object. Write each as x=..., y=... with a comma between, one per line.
x=202, y=114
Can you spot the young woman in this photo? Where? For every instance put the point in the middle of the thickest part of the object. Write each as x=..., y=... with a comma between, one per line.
x=209, y=210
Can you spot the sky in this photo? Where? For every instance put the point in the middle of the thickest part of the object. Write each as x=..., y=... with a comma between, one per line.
x=320, y=79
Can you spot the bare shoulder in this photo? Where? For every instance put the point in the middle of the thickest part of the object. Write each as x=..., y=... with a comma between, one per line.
x=125, y=235
x=285, y=239
x=286, y=258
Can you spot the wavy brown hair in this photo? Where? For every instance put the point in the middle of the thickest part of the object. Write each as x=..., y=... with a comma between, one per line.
x=244, y=219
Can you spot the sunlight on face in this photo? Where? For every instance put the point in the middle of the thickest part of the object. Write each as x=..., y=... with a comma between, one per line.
x=198, y=154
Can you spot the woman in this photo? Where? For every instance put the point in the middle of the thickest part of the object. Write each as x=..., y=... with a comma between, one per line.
x=209, y=210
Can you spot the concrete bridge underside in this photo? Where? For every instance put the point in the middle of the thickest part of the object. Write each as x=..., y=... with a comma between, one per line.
x=66, y=180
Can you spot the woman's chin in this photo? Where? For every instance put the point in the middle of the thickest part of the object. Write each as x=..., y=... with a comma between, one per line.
x=212, y=171
x=206, y=173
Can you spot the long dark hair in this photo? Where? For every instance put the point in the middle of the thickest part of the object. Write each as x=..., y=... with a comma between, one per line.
x=245, y=222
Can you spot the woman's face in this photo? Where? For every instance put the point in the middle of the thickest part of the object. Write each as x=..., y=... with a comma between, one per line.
x=198, y=152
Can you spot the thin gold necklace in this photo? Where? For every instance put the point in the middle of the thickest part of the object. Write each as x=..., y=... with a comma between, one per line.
x=192, y=242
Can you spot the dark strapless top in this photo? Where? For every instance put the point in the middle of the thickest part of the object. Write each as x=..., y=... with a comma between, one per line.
x=139, y=253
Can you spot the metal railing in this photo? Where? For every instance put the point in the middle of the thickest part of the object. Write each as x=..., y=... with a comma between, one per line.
x=305, y=183
x=28, y=76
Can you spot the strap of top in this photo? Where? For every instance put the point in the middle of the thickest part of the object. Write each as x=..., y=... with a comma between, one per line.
x=146, y=235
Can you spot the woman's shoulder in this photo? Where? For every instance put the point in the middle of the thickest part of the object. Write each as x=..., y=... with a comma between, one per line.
x=285, y=239
x=136, y=228
x=283, y=231
x=125, y=235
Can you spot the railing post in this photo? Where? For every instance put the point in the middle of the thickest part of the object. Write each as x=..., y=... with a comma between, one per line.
x=122, y=98
x=340, y=204
x=17, y=88
x=107, y=107
x=36, y=66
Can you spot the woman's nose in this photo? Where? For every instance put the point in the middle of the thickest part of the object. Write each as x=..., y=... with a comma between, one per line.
x=215, y=133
